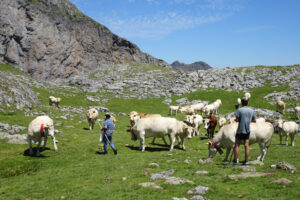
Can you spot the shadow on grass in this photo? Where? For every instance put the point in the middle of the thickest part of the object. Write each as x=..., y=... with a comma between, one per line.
x=100, y=153
x=150, y=149
x=26, y=152
x=87, y=129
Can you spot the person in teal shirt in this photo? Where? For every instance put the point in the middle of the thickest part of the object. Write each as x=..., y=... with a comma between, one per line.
x=108, y=130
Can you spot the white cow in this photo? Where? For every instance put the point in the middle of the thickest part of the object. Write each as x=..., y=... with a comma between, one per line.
x=297, y=111
x=54, y=100
x=247, y=96
x=41, y=126
x=280, y=106
x=173, y=108
x=158, y=127
x=91, y=115
x=198, y=107
x=287, y=129
x=187, y=110
x=239, y=103
x=183, y=131
x=222, y=121
x=209, y=109
x=261, y=133
x=195, y=121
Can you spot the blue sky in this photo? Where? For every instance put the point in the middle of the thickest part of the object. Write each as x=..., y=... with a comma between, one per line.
x=220, y=32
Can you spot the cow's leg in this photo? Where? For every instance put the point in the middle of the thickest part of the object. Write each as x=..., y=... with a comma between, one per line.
x=164, y=140
x=30, y=145
x=54, y=143
x=45, y=142
x=172, y=141
x=38, y=147
x=153, y=140
x=142, y=142
x=263, y=151
x=182, y=143
x=293, y=139
x=227, y=154
x=287, y=139
x=280, y=136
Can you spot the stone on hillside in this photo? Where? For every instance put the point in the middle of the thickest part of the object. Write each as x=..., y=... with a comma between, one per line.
x=198, y=197
x=175, y=198
x=249, y=175
x=284, y=166
x=99, y=108
x=17, y=141
x=4, y=126
x=247, y=168
x=283, y=180
x=182, y=101
x=177, y=180
x=167, y=101
x=162, y=175
x=187, y=161
x=93, y=99
x=198, y=190
x=255, y=162
x=121, y=114
x=17, y=128
x=201, y=172
x=208, y=160
x=154, y=165
x=151, y=185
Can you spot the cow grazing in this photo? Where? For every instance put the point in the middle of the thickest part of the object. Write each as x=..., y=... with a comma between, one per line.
x=91, y=115
x=280, y=105
x=158, y=127
x=287, y=129
x=210, y=123
x=54, y=100
x=195, y=121
x=41, y=126
x=261, y=133
x=297, y=111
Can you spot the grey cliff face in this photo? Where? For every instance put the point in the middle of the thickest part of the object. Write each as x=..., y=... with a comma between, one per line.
x=52, y=39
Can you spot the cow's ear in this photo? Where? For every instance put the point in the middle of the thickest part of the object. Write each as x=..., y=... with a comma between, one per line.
x=94, y=111
x=283, y=120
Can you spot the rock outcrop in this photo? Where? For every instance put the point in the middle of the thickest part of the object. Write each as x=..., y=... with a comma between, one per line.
x=52, y=39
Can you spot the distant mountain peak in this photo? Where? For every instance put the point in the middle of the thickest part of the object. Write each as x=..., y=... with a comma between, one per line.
x=199, y=65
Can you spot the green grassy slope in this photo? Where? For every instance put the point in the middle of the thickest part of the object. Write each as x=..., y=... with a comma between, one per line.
x=76, y=171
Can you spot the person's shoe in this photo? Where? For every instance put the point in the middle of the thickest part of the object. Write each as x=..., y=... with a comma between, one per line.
x=234, y=164
x=105, y=152
x=245, y=163
x=115, y=152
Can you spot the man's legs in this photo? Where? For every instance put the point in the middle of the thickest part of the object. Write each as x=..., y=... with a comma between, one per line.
x=112, y=144
x=105, y=144
x=236, y=150
x=247, y=151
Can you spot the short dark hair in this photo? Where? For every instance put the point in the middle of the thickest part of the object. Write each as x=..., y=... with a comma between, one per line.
x=244, y=102
x=107, y=116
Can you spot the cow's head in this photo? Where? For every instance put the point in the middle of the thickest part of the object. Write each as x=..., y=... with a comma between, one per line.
x=213, y=149
x=280, y=123
x=206, y=123
x=188, y=119
x=188, y=130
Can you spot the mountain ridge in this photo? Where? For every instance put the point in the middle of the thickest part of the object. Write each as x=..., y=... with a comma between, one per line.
x=52, y=39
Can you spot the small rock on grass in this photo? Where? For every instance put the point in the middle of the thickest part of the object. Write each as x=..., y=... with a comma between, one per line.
x=201, y=172
x=283, y=180
x=249, y=175
x=162, y=175
x=284, y=166
x=248, y=168
x=187, y=161
x=175, y=198
x=198, y=197
x=150, y=184
x=198, y=190
x=177, y=181
x=154, y=165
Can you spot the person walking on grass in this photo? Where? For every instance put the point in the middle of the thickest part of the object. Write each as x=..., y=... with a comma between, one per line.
x=108, y=129
x=244, y=116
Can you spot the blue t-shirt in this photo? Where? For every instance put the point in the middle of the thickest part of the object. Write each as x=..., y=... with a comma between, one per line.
x=245, y=115
x=109, y=125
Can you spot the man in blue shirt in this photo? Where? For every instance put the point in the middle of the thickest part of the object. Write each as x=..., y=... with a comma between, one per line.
x=244, y=116
x=108, y=129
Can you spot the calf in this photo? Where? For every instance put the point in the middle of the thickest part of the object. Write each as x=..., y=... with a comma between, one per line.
x=287, y=129
x=91, y=115
x=210, y=123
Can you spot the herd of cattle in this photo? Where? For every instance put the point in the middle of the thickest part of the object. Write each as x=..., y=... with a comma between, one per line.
x=154, y=125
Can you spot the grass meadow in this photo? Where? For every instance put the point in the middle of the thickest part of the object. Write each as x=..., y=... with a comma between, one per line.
x=77, y=171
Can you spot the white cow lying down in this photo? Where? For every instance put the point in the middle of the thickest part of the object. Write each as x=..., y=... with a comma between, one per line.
x=41, y=126
x=261, y=133
x=160, y=127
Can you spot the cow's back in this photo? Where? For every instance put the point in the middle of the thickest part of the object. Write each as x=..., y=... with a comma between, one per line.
x=156, y=126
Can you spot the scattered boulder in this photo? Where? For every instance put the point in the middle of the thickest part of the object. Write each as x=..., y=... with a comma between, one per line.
x=284, y=166
x=198, y=197
x=162, y=175
x=150, y=184
x=167, y=101
x=249, y=175
x=198, y=190
x=283, y=180
x=176, y=180
x=182, y=101
x=154, y=165
x=201, y=172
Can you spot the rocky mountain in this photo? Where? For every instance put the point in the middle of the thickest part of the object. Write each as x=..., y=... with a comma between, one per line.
x=52, y=39
x=200, y=65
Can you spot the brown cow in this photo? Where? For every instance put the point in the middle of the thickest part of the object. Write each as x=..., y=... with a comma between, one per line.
x=210, y=123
